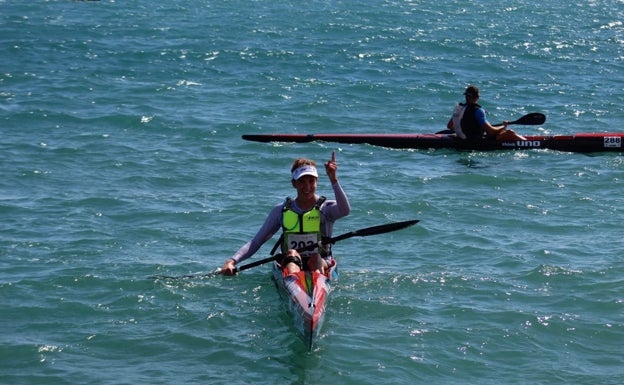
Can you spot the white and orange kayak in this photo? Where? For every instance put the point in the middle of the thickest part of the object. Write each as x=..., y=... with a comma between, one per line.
x=305, y=295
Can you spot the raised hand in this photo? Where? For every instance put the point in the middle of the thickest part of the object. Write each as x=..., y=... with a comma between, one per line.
x=331, y=167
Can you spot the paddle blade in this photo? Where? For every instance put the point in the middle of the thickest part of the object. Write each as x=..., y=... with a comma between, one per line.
x=375, y=230
x=532, y=119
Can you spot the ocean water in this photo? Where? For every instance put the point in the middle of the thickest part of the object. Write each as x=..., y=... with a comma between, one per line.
x=121, y=157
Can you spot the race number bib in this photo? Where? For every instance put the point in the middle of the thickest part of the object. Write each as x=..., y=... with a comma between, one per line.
x=299, y=241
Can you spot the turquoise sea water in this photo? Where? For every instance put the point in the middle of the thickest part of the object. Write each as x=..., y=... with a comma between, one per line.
x=121, y=157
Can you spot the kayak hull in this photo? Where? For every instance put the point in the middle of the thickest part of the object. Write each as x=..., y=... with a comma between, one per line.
x=305, y=296
x=582, y=142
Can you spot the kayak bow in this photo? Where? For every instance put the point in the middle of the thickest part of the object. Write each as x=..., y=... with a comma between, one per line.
x=305, y=295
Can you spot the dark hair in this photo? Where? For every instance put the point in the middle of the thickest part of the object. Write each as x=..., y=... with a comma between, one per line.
x=472, y=92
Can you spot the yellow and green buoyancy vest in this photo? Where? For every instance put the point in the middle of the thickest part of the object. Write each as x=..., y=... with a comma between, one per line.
x=301, y=230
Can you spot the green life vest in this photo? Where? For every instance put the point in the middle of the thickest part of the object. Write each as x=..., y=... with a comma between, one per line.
x=301, y=230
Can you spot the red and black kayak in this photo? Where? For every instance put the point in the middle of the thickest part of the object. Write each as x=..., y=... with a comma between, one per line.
x=583, y=142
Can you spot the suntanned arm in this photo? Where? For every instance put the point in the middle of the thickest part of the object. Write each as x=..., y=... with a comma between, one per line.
x=495, y=130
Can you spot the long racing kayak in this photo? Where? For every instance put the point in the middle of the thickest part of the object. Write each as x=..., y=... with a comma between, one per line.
x=305, y=295
x=583, y=142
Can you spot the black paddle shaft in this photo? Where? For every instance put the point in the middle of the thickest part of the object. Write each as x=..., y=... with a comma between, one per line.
x=381, y=229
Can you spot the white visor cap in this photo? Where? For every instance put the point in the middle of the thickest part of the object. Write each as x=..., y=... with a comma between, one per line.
x=304, y=170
